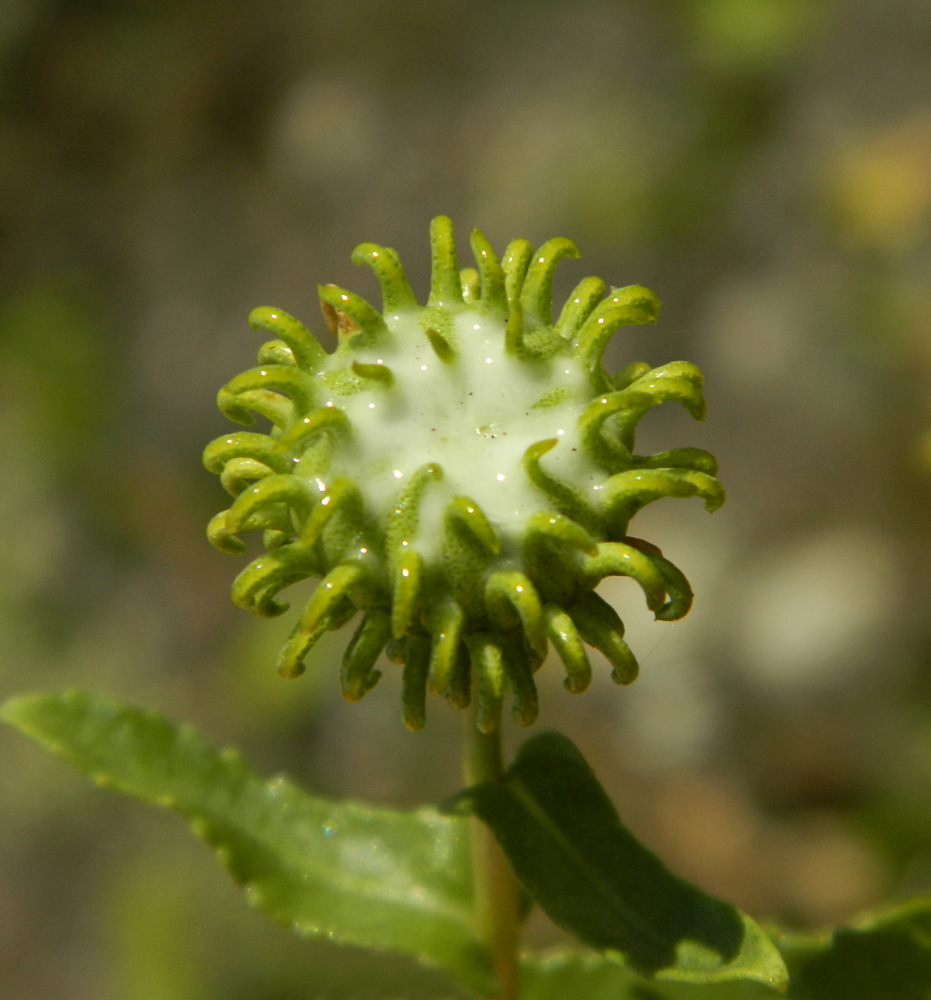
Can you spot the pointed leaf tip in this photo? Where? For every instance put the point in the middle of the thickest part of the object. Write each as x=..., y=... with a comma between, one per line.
x=590, y=875
x=407, y=887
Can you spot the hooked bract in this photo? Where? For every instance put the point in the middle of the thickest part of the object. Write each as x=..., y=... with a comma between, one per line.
x=462, y=473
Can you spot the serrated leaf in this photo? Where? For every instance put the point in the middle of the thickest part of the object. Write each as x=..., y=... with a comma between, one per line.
x=594, y=879
x=879, y=956
x=352, y=873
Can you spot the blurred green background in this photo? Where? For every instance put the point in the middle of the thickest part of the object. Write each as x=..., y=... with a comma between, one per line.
x=763, y=165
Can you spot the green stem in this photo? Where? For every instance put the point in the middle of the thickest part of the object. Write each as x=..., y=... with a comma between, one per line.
x=497, y=900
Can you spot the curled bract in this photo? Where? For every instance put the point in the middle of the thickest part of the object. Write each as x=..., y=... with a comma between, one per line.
x=461, y=474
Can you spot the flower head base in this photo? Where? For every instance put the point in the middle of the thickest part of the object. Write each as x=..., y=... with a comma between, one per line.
x=463, y=473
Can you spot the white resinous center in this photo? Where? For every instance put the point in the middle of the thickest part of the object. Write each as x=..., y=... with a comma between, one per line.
x=473, y=416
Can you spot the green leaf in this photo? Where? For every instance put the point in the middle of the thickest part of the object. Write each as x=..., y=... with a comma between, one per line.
x=882, y=956
x=583, y=976
x=593, y=878
x=352, y=873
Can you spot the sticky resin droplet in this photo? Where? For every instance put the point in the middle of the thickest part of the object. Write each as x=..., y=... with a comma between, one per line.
x=448, y=413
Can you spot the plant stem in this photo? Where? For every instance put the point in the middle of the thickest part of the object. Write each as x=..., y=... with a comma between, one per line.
x=497, y=900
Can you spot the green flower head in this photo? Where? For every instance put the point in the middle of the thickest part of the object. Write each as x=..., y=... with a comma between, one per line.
x=462, y=473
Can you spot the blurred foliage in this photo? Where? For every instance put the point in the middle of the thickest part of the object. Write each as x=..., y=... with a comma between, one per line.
x=763, y=164
x=56, y=368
